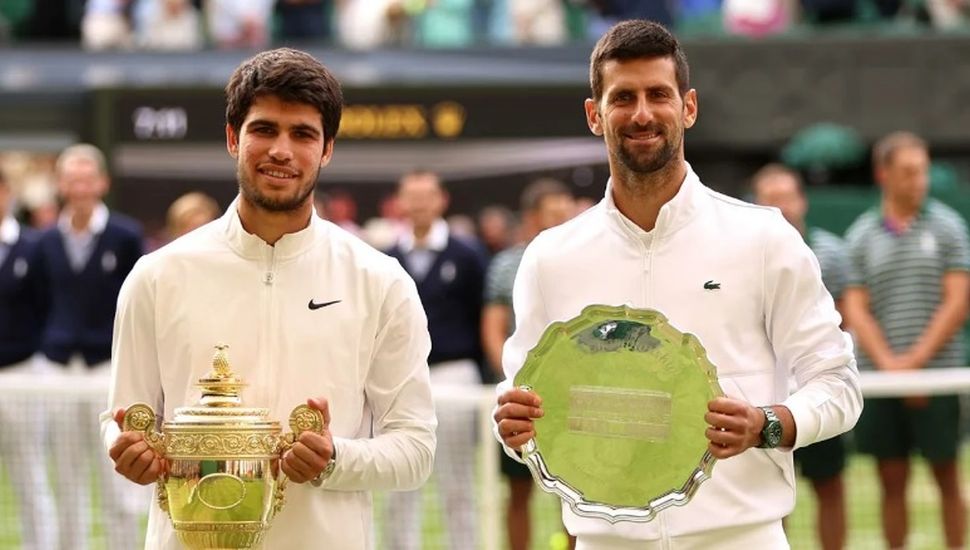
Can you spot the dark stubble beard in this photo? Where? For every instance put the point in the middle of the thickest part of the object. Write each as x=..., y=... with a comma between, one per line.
x=252, y=194
x=653, y=163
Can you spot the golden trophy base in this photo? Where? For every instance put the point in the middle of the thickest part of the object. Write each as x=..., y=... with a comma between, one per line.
x=221, y=535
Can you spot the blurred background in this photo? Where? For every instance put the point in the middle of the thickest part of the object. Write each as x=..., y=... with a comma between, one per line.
x=488, y=94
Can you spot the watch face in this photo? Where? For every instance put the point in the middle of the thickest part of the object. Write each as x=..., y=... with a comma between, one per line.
x=772, y=434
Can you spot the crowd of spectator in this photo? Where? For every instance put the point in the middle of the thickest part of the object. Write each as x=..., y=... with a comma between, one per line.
x=185, y=25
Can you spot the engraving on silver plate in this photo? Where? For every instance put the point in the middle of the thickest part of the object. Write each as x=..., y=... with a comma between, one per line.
x=620, y=412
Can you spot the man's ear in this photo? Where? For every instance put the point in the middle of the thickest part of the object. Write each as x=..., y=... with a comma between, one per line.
x=690, y=108
x=232, y=141
x=593, y=117
x=327, y=152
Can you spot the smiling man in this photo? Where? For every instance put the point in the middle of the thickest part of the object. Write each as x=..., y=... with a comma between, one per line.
x=736, y=275
x=311, y=315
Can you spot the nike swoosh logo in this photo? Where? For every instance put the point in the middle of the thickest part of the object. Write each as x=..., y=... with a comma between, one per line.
x=314, y=306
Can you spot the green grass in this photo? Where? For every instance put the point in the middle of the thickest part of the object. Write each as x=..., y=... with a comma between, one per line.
x=863, y=504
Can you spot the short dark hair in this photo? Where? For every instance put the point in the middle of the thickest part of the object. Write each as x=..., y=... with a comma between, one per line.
x=421, y=173
x=776, y=169
x=886, y=147
x=538, y=190
x=290, y=75
x=634, y=39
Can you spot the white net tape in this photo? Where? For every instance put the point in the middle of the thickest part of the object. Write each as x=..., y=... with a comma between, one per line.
x=37, y=397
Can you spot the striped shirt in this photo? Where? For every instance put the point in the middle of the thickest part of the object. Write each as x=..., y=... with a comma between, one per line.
x=832, y=258
x=500, y=278
x=904, y=274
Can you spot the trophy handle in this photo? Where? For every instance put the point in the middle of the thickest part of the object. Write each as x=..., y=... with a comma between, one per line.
x=302, y=419
x=141, y=418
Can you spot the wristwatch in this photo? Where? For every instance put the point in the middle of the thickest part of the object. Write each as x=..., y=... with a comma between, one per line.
x=327, y=470
x=771, y=432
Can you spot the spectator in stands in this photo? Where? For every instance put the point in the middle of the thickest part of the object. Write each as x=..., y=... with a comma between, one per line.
x=496, y=228
x=449, y=274
x=106, y=25
x=906, y=301
x=602, y=14
x=949, y=14
x=445, y=24
x=305, y=20
x=367, y=24
x=383, y=231
x=168, y=25
x=545, y=203
x=22, y=311
x=339, y=207
x=540, y=22
x=823, y=462
x=462, y=226
x=189, y=212
x=84, y=260
x=341, y=328
x=758, y=17
x=235, y=24
x=735, y=275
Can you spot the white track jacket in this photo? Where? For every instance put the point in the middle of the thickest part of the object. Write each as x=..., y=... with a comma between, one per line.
x=366, y=353
x=770, y=319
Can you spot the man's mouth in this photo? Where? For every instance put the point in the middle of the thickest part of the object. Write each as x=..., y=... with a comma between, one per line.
x=644, y=136
x=278, y=173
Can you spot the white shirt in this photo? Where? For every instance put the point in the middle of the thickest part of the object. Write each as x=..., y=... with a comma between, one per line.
x=421, y=256
x=770, y=319
x=9, y=233
x=367, y=354
x=80, y=244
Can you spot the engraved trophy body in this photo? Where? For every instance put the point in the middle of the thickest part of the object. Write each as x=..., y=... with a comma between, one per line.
x=222, y=485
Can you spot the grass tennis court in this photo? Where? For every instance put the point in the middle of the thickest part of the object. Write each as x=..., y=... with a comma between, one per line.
x=863, y=505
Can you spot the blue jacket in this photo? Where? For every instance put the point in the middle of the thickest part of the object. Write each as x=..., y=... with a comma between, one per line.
x=22, y=300
x=452, y=297
x=82, y=305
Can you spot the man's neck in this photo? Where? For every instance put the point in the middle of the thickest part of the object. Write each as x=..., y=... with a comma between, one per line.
x=640, y=197
x=421, y=234
x=81, y=219
x=899, y=215
x=271, y=226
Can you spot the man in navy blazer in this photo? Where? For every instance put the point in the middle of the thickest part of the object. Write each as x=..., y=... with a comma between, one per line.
x=449, y=274
x=84, y=259
x=21, y=326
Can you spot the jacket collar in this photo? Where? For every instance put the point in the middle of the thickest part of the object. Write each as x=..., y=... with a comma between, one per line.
x=9, y=231
x=437, y=238
x=673, y=215
x=96, y=225
x=250, y=246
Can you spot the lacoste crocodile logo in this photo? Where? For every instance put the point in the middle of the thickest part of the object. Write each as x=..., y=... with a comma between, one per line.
x=712, y=285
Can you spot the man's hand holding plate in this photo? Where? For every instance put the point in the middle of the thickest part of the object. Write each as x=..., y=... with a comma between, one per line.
x=514, y=416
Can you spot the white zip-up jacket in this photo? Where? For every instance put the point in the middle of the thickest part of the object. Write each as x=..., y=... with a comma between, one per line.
x=770, y=319
x=366, y=353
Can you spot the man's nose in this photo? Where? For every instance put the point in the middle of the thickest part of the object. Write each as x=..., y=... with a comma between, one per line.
x=642, y=114
x=282, y=150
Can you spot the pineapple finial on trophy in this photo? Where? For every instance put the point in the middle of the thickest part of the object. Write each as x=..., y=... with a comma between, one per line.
x=220, y=362
x=220, y=387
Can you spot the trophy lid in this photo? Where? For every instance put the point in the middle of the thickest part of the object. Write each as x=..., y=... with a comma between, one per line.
x=220, y=403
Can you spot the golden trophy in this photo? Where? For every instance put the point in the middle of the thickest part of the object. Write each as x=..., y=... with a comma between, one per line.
x=222, y=485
